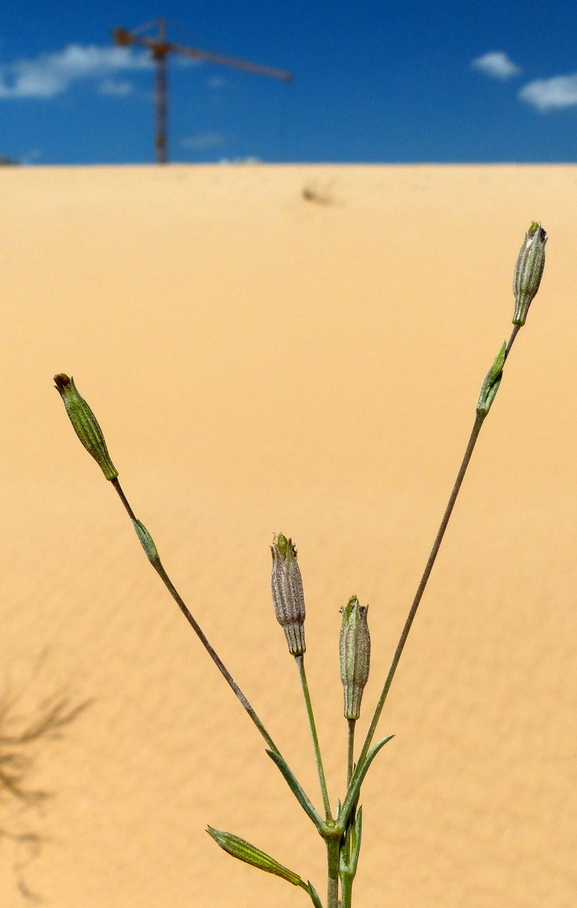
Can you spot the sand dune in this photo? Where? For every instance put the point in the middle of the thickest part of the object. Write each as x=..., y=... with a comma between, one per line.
x=260, y=361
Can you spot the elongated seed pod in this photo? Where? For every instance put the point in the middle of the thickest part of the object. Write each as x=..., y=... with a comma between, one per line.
x=250, y=854
x=85, y=424
x=528, y=271
x=287, y=593
x=355, y=655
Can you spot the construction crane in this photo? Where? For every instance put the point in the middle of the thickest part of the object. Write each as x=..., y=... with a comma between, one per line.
x=159, y=48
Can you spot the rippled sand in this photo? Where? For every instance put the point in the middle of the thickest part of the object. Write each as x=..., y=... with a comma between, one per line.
x=264, y=361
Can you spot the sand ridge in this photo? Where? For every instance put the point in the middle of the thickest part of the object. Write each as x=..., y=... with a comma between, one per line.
x=264, y=362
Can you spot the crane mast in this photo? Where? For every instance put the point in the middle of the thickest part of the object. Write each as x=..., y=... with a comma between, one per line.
x=159, y=48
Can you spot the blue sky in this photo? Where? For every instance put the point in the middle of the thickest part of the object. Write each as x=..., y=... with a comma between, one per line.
x=374, y=81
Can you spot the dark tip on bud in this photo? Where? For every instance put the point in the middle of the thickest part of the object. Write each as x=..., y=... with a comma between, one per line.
x=287, y=593
x=528, y=271
x=355, y=655
x=61, y=381
x=85, y=424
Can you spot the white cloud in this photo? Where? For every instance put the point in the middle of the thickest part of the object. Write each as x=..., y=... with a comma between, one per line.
x=183, y=61
x=115, y=88
x=30, y=157
x=496, y=64
x=548, y=94
x=203, y=140
x=51, y=74
x=216, y=82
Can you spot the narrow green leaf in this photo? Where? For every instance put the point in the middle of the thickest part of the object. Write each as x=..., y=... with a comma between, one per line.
x=146, y=541
x=491, y=383
x=244, y=851
x=349, y=857
x=358, y=837
x=314, y=895
x=296, y=789
x=357, y=781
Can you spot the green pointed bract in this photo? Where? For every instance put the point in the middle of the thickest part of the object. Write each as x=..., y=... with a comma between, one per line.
x=296, y=789
x=492, y=382
x=358, y=838
x=85, y=424
x=528, y=271
x=349, y=866
x=355, y=655
x=287, y=593
x=357, y=780
x=244, y=851
x=315, y=898
x=147, y=542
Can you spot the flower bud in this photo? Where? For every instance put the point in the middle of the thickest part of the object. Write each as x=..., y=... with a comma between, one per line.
x=244, y=851
x=85, y=424
x=355, y=653
x=287, y=593
x=528, y=271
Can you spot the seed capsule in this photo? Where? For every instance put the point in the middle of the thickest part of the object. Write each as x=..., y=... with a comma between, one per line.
x=85, y=424
x=287, y=593
x=250, y=854
x=528, y=271
x=355, y=653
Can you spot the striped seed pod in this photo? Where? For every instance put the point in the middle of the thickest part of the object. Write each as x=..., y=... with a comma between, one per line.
x=250, y=854
x=85, y=424
x=287, y=593
x=355, y=653
x=528, y=271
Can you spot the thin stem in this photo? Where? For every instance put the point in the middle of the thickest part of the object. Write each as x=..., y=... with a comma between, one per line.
x=350, y=749
x=514, y=334
x=200, y=633
x=422, y=585
x=347, y=874
x=428, y=567
x=300, y=661
x=123, y=498
x=347, y=891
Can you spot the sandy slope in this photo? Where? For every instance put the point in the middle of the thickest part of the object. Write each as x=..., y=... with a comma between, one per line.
x=262, y=362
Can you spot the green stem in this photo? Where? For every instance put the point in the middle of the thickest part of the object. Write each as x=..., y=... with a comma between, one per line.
x=300, y=661
x=200, y=633
x=347, y=873
x=514, y=333
x=351, y=750
x=422, y=586
x=480, y=417
x=347, y=891
x=333, y=850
